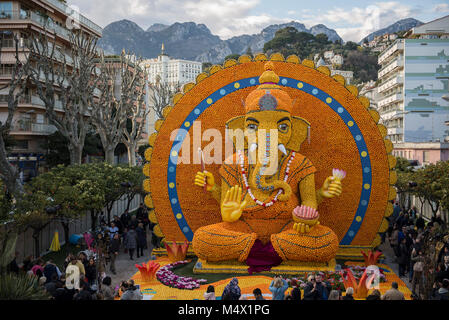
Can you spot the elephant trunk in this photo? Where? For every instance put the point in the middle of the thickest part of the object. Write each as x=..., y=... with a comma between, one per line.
x=259, y=176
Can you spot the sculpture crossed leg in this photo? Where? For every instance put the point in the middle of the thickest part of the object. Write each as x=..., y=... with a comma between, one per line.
x=229, y=241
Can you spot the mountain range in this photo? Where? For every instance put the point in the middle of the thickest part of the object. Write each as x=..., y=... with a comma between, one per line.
x=192, y=41
x=401, y=25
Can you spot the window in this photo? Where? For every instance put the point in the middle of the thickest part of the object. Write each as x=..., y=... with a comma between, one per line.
x=39, y=118
x=425, y=156
x=6, y=10
x=20, y=145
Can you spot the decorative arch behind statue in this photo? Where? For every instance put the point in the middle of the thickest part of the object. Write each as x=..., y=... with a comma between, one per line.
x=345, y=134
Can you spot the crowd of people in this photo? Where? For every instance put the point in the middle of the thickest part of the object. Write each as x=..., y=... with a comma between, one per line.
x=407, y=234
x=315, y=289
x=83, y=276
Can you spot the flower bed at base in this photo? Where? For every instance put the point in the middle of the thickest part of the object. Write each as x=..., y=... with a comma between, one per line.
x=166, y=276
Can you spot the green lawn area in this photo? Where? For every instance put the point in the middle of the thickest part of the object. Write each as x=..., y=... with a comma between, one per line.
x=59, y=256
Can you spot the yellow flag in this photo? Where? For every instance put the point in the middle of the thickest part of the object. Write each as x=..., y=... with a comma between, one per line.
x=55, y=246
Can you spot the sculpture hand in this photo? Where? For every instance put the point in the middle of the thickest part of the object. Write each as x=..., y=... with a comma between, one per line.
x=303, y=227
x=205, y=178
x=331, y=188
x=232, y=205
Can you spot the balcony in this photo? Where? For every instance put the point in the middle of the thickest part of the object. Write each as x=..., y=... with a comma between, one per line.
x=391, y=113
x=397, y=80
x=32, y=101
x=22, y=126
x=395, y=130
x=32, y=16
x=392, y=66
x=395, y=97
x=396, y=46
x=72, y=13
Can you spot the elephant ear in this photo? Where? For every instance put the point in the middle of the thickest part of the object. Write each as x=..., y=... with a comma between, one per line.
x=235, y=131
x=300, y=131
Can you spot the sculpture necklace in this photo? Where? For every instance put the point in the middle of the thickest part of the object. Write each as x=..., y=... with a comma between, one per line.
x=245, y=180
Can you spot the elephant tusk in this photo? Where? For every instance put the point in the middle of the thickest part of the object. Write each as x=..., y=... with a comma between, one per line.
x=253, y=147
x=281, y=148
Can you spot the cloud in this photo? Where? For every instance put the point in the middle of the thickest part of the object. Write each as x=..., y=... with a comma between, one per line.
x=225, y=18
x=440, y=8
x=359, y=22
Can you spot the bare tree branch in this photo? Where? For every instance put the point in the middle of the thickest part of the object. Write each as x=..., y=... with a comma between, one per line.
x=109, y=112
x=71, y=78
x=17, y=86
x=161, y=95
x=134, y=95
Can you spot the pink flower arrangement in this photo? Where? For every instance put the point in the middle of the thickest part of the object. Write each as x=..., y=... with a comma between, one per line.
x=304, y=212
x=166, y=276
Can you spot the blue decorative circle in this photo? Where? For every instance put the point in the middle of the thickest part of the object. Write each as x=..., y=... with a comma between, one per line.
x=196, y=111
x=284, y=81
x=292, y=83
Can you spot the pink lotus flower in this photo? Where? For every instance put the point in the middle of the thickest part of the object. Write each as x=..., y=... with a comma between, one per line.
x=338, y=174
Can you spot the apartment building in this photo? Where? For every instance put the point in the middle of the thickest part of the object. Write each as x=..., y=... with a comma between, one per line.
x=172, y=71
x=22, y=19
x=175, y=72
x=413, y=90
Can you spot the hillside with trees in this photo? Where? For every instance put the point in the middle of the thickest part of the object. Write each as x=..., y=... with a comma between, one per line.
x=360, y=60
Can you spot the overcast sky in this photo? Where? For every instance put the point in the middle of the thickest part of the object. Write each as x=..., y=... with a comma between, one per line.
x=353, y=20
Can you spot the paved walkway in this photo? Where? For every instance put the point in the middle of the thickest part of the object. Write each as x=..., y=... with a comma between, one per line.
x=390, y=260
x=124, y=267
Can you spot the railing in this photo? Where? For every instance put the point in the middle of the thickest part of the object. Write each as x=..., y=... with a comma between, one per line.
x=71, y=12
x=390, y=99
x=25, y=125
x=398, y=45
x=390, y=83
x=35, y=17
x=395, y=130
x=398, y=62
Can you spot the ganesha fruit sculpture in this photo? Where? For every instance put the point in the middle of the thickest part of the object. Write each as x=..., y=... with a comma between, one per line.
x=273, y=211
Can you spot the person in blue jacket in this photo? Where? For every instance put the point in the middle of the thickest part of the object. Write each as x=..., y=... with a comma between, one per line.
x=278, y=287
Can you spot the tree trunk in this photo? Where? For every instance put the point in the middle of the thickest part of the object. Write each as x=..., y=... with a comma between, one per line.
x=65, y=227
x=109, y=210
x=93, y=218
x=130, y=199
x=131, y=156
x=37, y=249
x=76, y=153
x=109, y=155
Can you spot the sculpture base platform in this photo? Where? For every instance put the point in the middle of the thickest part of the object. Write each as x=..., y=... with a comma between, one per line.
x=352, y=253
x=235, y=267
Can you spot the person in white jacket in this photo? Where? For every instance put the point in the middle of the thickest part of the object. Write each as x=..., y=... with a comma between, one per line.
x=72, y=273
x=210, y=293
